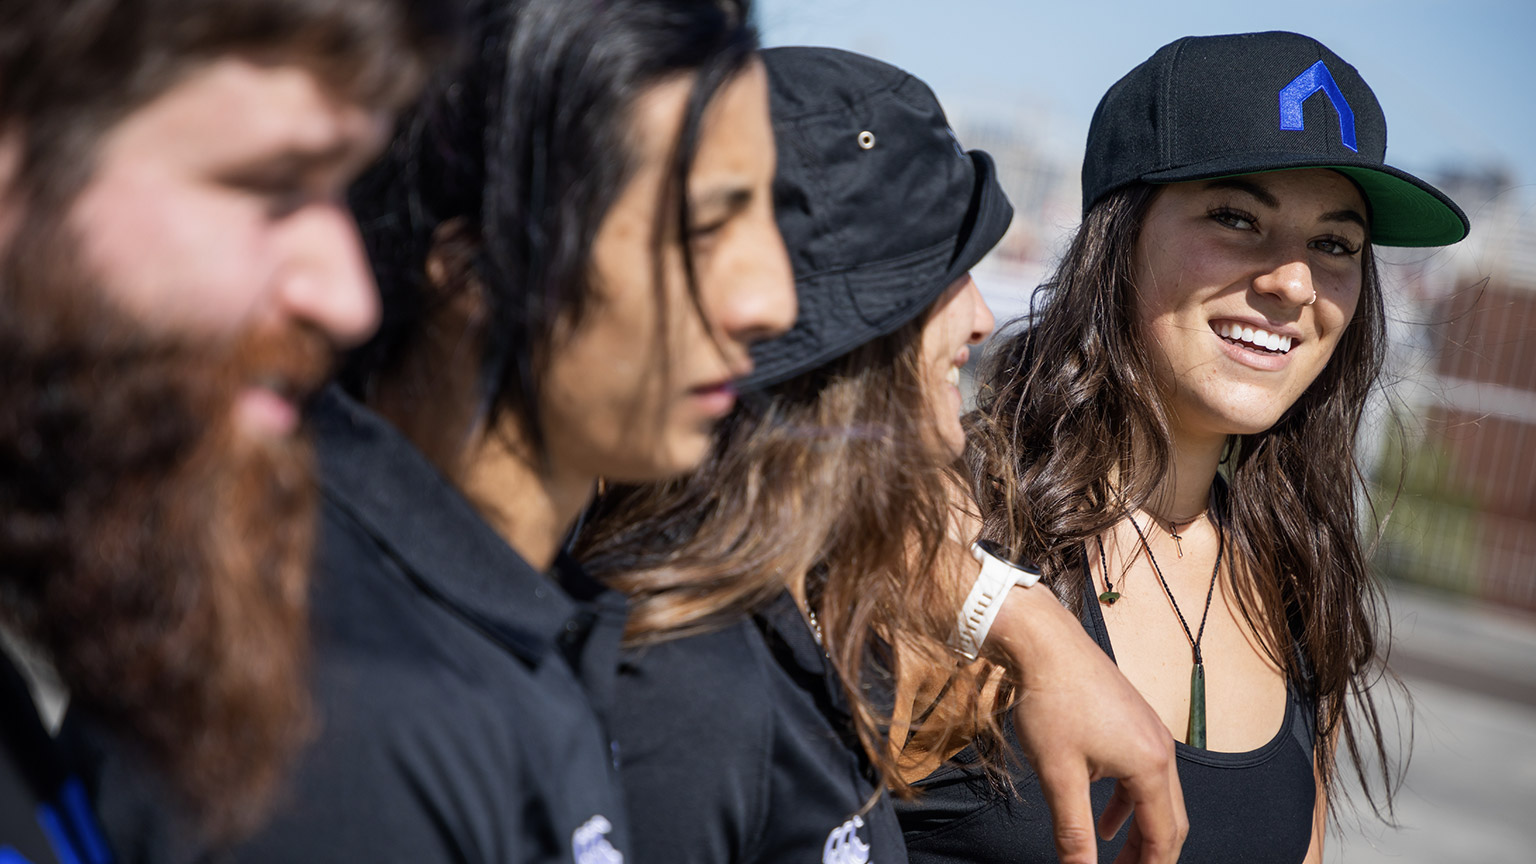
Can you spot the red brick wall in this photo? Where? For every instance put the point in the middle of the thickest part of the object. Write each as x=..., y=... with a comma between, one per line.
x=1487, y=333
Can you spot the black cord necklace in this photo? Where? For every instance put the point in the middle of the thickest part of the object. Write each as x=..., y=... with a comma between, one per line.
x=1196, y=735
x=1110, y=595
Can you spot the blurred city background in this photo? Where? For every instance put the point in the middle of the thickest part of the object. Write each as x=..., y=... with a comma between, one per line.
x=1452, y=442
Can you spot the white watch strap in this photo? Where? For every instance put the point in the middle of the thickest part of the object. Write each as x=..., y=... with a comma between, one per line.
x=981, y=606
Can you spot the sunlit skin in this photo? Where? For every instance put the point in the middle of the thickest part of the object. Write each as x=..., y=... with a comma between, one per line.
x=959, y=319
x=623, y=399
x=218, y=209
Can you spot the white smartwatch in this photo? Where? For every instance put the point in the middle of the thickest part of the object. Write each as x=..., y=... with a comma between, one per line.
x=997, y=577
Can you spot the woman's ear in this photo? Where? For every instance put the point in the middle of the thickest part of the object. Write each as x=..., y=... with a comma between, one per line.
x=432, y=392
x=450, y=266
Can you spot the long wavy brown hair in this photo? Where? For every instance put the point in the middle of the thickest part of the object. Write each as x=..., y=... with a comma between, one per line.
x=828, y=481
x=1071, y=430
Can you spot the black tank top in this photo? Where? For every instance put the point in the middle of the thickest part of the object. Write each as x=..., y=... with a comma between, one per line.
x=1251, y=807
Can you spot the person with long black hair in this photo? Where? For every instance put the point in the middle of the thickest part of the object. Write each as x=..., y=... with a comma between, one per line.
x=574, y=239
x=1171, y=437
x=785, y=592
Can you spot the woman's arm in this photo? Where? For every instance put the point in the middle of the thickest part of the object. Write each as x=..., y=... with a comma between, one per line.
x=1079, y=720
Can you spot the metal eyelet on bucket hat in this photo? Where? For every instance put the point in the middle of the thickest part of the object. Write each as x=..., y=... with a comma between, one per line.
x=866, y=140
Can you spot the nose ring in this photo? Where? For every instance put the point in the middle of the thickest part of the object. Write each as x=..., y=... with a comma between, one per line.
x=1313, y=300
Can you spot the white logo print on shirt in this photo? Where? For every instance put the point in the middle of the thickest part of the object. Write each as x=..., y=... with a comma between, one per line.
x=589, y=843
x=844, y=846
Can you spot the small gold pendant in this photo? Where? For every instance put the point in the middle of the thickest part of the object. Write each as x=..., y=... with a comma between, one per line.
x=1178, y=546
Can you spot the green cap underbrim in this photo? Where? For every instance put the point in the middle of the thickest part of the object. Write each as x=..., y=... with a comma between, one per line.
x=1405, y=214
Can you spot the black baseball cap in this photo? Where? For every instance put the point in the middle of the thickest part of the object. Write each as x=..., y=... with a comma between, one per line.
x=880, y=206
x=1219, y=106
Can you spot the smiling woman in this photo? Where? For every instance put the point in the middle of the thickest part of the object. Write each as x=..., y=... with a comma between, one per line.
x=1171, y=437
x=1270, y=265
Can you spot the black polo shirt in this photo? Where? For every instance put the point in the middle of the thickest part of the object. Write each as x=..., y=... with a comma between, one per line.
x=460, y=691
x=47, y=809
x=737, y=746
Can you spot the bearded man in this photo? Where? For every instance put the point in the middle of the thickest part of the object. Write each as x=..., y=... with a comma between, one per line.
x=177, y=269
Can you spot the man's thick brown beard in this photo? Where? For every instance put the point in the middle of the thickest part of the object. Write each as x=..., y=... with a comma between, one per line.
x=159, y=556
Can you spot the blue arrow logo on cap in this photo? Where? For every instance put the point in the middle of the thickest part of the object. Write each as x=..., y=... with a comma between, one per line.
x=1299, y=90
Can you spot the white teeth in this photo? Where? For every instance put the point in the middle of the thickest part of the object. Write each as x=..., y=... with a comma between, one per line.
x=953, y=375
x=1256, y=337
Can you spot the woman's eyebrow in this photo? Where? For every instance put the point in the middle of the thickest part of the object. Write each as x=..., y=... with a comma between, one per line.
x=1263, y=196
x=1348, y=214
x=726, y=196
x=1242, y=184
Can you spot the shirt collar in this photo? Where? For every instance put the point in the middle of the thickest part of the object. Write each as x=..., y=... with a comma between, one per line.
x=783, y=623
x=370, y=470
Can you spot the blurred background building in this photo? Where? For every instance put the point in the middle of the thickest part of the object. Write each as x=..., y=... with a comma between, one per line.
x=1465, y=519
x=1451, y=446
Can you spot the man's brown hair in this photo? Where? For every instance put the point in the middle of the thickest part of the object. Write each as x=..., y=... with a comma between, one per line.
x=71, y=69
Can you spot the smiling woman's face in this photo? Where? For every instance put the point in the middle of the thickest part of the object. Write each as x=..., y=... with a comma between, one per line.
x=1226, y=272
x=959, y=319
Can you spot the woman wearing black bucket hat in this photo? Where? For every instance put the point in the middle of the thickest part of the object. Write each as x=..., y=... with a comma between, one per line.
x=738, y=738
x=1171, y=437
x=774, y=590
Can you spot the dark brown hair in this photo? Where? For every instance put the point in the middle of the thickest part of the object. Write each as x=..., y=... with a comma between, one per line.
x=830, y=479
x=71, y=69
x=507, y=170
x=1070, y=401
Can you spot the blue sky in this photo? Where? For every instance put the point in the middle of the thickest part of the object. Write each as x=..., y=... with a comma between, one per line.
x=1457, y=80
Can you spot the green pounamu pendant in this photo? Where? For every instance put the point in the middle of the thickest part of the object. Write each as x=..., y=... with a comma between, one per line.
x=1108, y=598
x=1196, y=737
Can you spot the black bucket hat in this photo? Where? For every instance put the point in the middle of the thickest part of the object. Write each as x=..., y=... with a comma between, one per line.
x=880, y=206
x=1219, y=106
